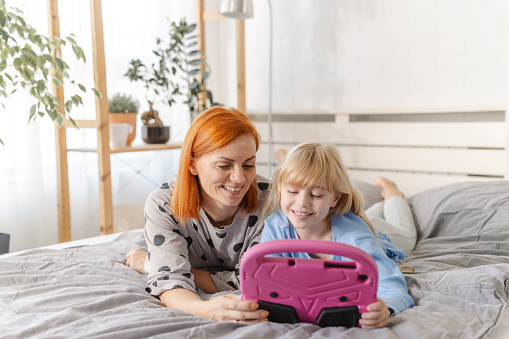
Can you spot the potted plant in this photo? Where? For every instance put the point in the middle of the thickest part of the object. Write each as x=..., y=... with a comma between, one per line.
x=26, y=60
x=177, y=72
x=124, y=109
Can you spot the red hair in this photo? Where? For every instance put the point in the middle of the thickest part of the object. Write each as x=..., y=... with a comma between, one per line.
x=211, y=130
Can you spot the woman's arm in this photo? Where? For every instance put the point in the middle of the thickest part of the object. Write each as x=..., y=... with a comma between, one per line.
x=226, y=307
x=203, y=280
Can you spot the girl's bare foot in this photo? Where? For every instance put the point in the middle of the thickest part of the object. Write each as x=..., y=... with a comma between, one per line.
x=136, y=260
x=280, y=154
x=388, y=187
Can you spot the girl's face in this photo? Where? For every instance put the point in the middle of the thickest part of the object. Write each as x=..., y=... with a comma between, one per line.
x=226, y=174
x=307, y=207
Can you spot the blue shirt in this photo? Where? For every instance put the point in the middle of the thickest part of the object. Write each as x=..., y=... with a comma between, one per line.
x=350, y=229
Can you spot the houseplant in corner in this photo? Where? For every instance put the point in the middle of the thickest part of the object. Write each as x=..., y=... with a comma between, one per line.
x=124, y=109
x=177, y=72
x=26, y=60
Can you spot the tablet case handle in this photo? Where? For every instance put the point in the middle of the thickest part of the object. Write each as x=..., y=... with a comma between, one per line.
x=257, y=252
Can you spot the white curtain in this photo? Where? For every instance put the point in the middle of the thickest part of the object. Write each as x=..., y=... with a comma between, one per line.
x=28, y=189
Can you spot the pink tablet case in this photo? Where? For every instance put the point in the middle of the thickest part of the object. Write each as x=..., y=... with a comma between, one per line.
x=322, y=292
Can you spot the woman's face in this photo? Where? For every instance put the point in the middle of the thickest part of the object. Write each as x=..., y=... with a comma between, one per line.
x=226, y=174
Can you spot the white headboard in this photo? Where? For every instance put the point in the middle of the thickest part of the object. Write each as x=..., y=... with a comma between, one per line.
x=418, y=149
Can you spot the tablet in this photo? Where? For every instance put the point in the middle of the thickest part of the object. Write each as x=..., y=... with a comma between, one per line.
x=317, y=291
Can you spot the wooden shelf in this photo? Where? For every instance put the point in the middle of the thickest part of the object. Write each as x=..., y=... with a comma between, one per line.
x=133, y=148
x=101, y=121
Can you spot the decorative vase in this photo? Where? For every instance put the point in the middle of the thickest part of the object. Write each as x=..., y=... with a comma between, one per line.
x=155, y=134
x=129, y=118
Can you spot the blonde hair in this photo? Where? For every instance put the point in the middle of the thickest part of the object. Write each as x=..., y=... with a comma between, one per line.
x=310, y=163
x=211, y=130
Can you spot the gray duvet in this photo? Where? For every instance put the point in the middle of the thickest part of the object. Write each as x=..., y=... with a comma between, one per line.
x=459, y=285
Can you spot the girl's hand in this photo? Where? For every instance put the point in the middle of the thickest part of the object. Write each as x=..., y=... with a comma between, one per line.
x=377, y=315
x=230, y=307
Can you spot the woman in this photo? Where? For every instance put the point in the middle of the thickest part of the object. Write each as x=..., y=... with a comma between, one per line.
x=198, y=226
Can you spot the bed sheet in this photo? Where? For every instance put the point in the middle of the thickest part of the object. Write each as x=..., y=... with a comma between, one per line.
x=459, y=285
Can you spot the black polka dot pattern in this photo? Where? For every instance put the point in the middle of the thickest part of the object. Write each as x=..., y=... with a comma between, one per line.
x=177, y=286
x=148, y=256
x=159, y=240
x=195, y=226
x=164, y=278
x=148, y=289
x=154, y=284
x=263, y=186
x=161, y=209
x=210, y=242
x=232, y=284
x=221, y=261
x=177, y=231
x=254, y=243
x=165, y=186
x=238, y=246
x=187, y=275
x=164, y=269
x=203, y=257
x=221, y=235
x=252, y=221
x=189, y=241
x=173, y=218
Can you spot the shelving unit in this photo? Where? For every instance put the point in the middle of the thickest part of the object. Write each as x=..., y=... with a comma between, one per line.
x=101, y=122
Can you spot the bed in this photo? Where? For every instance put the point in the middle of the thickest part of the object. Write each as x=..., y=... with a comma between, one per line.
x=460, y=282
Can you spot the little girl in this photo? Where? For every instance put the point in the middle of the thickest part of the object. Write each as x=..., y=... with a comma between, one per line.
x=312, y=197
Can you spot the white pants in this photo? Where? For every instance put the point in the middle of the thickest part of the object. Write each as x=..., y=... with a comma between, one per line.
x=394, y=218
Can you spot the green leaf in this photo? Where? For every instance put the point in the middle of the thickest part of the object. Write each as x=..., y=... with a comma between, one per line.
x=60, y=120
x=2, y=19
x=82, y=87
x=194, y=84
x=205, y=77
x=196, y=62
x=32, y=111
x=1, y=142
x=4, y=35
x=97, y=93
x=194, y=71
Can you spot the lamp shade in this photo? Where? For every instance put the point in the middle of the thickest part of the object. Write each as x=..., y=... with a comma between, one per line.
x=237, y=9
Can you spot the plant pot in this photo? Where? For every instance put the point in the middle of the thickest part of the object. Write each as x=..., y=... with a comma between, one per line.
x=4, y=242
x=129, y=118
x=155, y=134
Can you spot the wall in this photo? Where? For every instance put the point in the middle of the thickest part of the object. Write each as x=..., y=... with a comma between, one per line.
x=379, y=54
x=335, y=56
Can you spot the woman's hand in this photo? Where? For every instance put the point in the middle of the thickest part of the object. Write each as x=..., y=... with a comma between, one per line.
x=229, y=307
x=377, y=315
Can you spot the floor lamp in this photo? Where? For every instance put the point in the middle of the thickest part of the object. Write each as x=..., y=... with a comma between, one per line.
x=243, y=9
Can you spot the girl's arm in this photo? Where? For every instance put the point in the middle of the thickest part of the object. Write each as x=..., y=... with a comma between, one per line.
x=226, y=307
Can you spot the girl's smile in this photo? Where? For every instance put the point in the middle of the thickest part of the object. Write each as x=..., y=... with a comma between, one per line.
x=307, y=207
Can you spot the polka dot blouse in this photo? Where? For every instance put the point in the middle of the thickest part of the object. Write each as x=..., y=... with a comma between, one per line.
x=176, y=247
